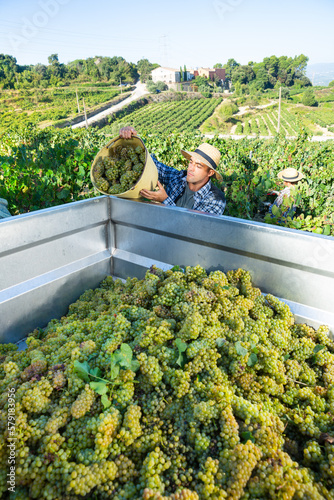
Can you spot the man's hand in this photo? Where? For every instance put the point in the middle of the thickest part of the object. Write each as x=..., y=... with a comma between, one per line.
x=127, y=132
x=159, y=195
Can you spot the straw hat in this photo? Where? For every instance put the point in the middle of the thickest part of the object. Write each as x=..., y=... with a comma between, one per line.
x=290, y=175
x=206, y=154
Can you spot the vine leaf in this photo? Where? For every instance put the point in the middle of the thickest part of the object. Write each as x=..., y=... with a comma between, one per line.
x=247, y=436
x=99, y=387
x=240, y=350
x=105, y=401
x=220, y=342
x=96, y=372
x=182, y=346
x=135, y=365
x=114, y=369
x=252, y=360
x=82, y=369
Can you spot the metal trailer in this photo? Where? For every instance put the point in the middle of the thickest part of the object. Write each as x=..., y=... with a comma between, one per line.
x=49, y=257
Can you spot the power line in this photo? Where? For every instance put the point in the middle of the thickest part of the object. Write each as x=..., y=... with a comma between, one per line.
x=71, y=33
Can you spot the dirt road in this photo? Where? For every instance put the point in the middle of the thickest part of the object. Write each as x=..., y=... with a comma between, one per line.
x=139, y=91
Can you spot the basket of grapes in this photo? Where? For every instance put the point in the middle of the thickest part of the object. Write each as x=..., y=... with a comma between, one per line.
x=123, y=168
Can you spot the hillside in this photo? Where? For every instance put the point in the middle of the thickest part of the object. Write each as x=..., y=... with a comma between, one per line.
x=321, y=73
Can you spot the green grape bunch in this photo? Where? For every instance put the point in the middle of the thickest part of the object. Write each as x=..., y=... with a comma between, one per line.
x=120, y=171
x=183, y=385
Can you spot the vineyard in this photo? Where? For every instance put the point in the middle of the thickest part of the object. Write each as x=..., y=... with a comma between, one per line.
x=48, y=106
x=265, y=123
x=166, y=117
x=261, y=120
x=43, y=168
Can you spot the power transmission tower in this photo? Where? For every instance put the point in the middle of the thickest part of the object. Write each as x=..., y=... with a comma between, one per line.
x=164, y=49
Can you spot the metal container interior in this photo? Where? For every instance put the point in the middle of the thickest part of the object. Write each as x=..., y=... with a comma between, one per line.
x=48, y=258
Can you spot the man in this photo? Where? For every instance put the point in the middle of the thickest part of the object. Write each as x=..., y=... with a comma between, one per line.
x=191, y=188
x=290, y=177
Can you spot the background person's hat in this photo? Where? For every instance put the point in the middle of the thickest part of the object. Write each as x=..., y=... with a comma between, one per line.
x=206, y=154
x=290, y=175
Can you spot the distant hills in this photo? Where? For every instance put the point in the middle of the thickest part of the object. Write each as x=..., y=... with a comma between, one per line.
x=321, y=73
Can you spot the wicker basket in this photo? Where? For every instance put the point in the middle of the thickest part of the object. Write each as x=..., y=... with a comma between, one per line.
x=147, y=180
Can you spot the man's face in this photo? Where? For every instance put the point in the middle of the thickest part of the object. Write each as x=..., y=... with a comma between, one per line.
x=198, y=173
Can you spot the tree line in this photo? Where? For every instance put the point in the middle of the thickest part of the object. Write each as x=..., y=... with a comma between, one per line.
x=271, y=73
x=113, y=70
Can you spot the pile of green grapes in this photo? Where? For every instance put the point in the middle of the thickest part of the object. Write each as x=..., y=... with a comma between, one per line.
x=119, y=172
x=181, y=386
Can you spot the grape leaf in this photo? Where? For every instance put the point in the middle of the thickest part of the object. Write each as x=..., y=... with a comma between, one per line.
x=105, y=401
x=123, y=356
x=82, y=369
x=275, y=210
x=182, y=346
x=327, y=230
x=252, y=360
x=318, y=348
x=114, y=370
x=135, y=365
x=99, y=387
x=220, y=342
x=177, y=268
x=240, y=350
x=247, y=436
x=96, y=372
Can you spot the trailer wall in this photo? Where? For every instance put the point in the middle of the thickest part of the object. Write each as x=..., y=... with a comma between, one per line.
x=49, y=257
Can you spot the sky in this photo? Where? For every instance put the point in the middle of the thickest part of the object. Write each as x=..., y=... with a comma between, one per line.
x=172, y=33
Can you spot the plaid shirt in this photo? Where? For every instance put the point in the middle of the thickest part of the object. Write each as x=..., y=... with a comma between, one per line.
x=206, y=199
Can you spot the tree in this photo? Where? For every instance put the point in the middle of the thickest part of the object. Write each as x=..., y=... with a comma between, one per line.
x=331, y=84
x=229, y=67
x=243, y=74
x=300, y=63
x=202, y=81
x=262, y=79
x=53, y=59
x=238, y=89
x=285, y=93
x=144, y=68
x=302, y=82
x=218, y=65
x=161, y=85
x=309, y=98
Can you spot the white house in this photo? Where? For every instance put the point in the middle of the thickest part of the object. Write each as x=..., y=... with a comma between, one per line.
x=167, y=75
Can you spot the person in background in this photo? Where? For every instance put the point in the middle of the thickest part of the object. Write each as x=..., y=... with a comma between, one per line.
x=4, y=212
x=191, y=188
x=290, y=177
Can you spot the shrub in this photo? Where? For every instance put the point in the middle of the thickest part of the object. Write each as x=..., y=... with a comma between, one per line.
x=228, y=109
x=309, y=98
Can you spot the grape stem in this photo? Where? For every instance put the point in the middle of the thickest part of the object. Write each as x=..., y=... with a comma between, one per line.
x=297, y=382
